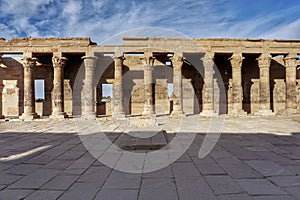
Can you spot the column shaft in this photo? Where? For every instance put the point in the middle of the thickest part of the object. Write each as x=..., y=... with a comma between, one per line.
x=149, y=106
x=29, y=96
x=208, y=86
x=177, y=63
x=89, y=87
x=291, y=73
x=1, y=112
x=118, y=111
x=236, y=61
x=58, y=88
x=264, y=62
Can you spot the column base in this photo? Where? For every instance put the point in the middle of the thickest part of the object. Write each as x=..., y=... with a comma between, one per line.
x=177, y=113
x=29, y=117
x=89, y=115
x=291, y=111
x=264, y=113
x=61, y=115
x=119, y=115
x=237, y=113
x=148, y=113
x=208, y=113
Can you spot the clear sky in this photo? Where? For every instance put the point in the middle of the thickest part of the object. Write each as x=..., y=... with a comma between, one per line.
x=101, y=19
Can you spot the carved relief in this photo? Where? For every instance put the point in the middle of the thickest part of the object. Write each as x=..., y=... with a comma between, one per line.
x=279, y=96
x=255, y=96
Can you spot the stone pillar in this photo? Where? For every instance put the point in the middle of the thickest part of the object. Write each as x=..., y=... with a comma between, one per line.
x=236, y=106
x=149, y=85
x=88, y=101
x=177, y=62
x=1, y=102
x=264, y=62
x=58, y=88
x=208, y=86
x=118, y=107
x=290, y=62
x=29, y=96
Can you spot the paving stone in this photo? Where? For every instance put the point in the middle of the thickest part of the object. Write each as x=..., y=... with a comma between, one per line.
x=185, y=170
x=23, y=169
x=44, y=194
x=259, y=187
x=9, y=194
x=35, y=180
x=6, y=179
x=234, y=197
x=117, y=194
x=266, y=167
x=274, y=198
x=295, y=191
x=60, y=182
x=58, y=164
x=122, y=180
x=223, y=185
x=158, y=189
x=80, y=191
x=237, y=168
x=71, y=155
x=285, y=181
x=95, y=174
x=194, y=188
x=166, y=172
x=2, y=187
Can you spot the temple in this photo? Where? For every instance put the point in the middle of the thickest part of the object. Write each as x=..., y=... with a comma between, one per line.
x=148, y=76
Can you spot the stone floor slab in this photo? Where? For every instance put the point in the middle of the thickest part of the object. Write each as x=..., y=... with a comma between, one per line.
x=259, y=187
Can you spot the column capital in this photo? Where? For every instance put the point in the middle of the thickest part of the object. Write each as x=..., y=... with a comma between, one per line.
x=118, y=57
x=236, y=60
x=291, y=60
x=90, y=61
x=264, y=60
x=177, y=61
x=59, y=61
x=29, y=62
x=148, y=60
x=207, y=59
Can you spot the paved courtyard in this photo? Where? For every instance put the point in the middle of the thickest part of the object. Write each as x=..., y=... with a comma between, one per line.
x=254, y=158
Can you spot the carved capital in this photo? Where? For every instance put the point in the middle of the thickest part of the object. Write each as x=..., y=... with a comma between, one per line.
x=29, y=62
x=90, y=61
x=291, y=60
x=148, y=60
x=177, y=61
x=208, y=59
x=59, y=61
x=236, y=60
x=264, y=60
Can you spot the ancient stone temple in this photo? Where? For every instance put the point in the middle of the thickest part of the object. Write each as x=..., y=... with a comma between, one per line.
x=148, y=77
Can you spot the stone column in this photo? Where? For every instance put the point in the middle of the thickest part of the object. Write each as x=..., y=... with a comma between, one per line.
x=208, y=86
x=88, y=101
x=177, y=62
x=1, y=111
x=291, y=72
x=236, y=61
x=118, y=108
x=264, y=62
x=29, y=96
x=149, y=85
x=58, y=88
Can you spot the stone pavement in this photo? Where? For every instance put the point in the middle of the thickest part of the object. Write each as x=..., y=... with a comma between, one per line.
x=255, y=158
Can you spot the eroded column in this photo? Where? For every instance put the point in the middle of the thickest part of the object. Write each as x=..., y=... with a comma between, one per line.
x=208, y=86
x=149, y=85
x=1, y=111
x=29, y=95
x=236, y=100
x=291, y=72
x=264, y=62
x=58, y=88
x=177, y=62
x=88, y=100
x=118, y=110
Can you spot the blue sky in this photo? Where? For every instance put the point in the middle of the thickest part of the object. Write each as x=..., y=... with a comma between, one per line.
x=102, y=19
